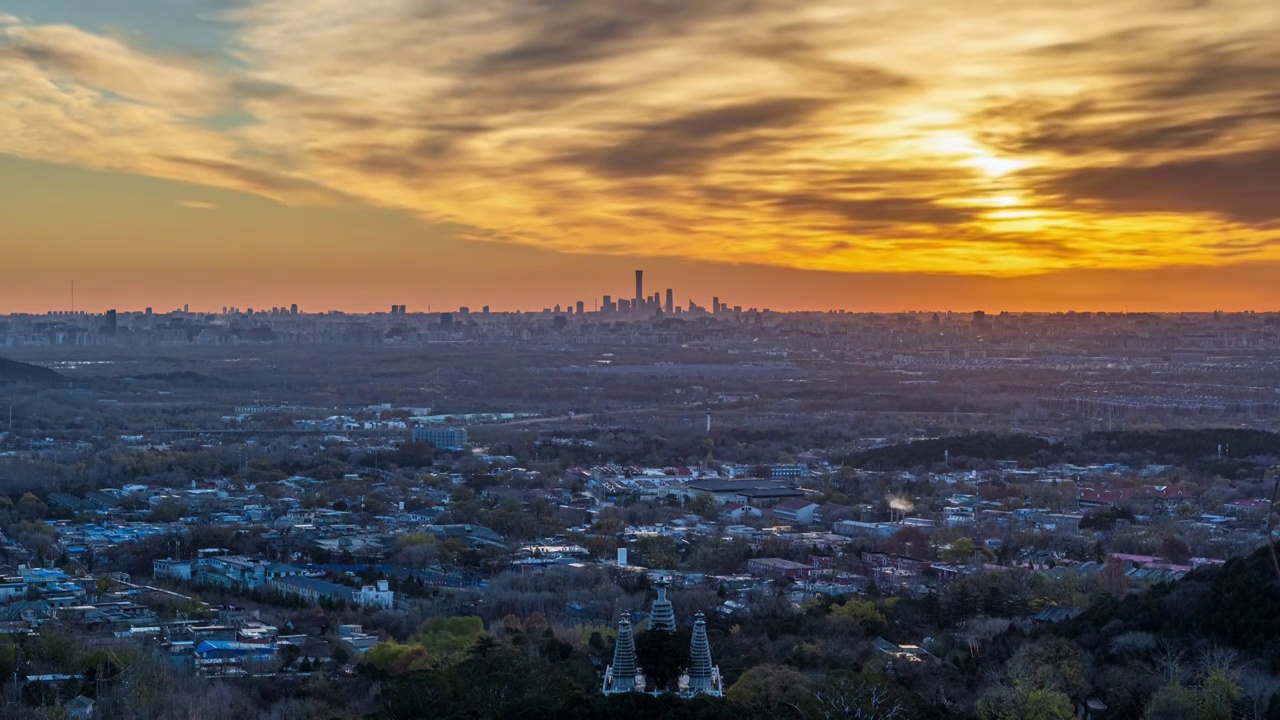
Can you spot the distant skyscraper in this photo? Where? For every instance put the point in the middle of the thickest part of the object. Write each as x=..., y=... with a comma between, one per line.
x=671, y=301
x=715, y=305
x=581, y=307
x=485, y=310
x=639, y=288
x=111, y=322
x=293, y=309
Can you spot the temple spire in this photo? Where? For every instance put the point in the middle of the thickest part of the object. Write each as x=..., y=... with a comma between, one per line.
x=621, y=676
x=703, y=677
x=662, y=616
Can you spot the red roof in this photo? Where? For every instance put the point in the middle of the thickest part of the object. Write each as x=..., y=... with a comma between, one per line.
x=1113, y=497
x=1116, y=496
x=1167, y=492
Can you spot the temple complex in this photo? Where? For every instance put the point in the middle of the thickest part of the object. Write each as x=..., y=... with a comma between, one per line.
x=700, y=677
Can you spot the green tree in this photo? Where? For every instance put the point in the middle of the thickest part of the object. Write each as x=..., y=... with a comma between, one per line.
x=703, y=505
x=1047, y=705
x=774, y=691
x=960, y=551
x=168, y=511
x=657, y=551
x=860, y=613
x=1172, y=702
x=448, y=639
x=8, y=656
x=662, y=655
x=1050, y=664
x=1217, y=694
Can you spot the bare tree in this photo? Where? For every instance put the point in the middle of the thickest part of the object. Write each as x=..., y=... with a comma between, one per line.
x=843, y=698
x=1258, y=687
x=1220, y=659
x=1171, y=661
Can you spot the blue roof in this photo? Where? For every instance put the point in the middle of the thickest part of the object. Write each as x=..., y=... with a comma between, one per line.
x=235, y=647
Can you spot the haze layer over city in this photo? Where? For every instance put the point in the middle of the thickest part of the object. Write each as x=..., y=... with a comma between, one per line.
x=717, y=360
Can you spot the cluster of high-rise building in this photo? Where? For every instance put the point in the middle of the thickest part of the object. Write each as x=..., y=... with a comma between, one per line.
x=646, y=305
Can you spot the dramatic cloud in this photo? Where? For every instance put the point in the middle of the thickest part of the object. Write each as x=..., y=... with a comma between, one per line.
x=989, y=137
x=1244, y=188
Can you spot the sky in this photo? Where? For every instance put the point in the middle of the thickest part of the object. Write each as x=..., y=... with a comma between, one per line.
x=794, y=154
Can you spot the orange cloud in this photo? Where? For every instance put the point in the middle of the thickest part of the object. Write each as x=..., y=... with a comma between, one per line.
x=985, y=138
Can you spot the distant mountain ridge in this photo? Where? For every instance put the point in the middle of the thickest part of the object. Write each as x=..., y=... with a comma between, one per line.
x=12, y=371
x=1186, y=446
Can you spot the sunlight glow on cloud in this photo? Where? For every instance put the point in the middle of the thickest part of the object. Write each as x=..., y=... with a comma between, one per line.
x=197, y=205
x=989, y=137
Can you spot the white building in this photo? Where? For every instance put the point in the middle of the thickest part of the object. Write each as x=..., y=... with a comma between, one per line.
x=376, y=596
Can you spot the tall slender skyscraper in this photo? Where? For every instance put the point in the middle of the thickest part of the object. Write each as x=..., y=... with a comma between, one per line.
x=671, y=301
x=639, y=288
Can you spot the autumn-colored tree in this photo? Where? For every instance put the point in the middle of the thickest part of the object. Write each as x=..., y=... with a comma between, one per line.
x=910, y=541
x=1175, y=550
x=1113, y=577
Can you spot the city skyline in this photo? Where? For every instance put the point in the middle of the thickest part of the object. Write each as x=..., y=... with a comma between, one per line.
x=663, y=302
x=806, y=154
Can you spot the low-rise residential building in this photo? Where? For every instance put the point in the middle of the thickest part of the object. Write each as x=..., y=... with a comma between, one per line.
x=776, y=567
x=796, y=511
x=316, y=590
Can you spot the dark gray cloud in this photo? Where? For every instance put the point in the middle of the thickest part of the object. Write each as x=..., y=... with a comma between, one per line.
x=685, y=145
x=1072, y=130
x=1168, y=94
x=1249, y=66
x=559, y=33
x=789, y=48
x=821, y=206
x=1243, y=187
x=873, y=210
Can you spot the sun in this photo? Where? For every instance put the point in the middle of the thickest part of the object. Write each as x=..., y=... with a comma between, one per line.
x=970, y=153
